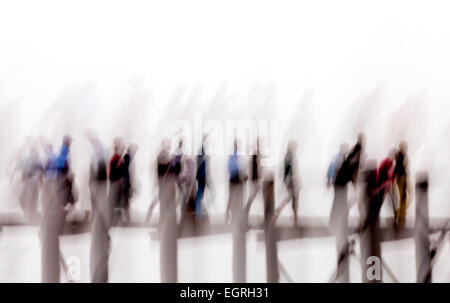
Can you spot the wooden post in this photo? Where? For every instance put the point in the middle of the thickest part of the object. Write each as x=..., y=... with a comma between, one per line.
x=422, y=240
x=51, y=225
x=339, y=226
x=101, y=223
x=370, y=235
x=273, y=275
x=168, y=235
x=238, y=231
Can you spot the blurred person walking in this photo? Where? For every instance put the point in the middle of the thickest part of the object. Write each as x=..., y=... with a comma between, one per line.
x=291, y=180
x=348, y=172
x=115, y=180
x=128, y=183
x=401, y=182
x=255, y=177
x=202, y=180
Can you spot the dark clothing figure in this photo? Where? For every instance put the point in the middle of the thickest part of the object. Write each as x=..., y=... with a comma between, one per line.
x=349, y=168
x=115, y=185
x=374, y=196
x=254, y=176
x=127, y=186
x=353, y=162
x=126, y=181
x=255, y=172
x=163, y=169
x=201, y=182
x=175, y=163
x=400, y=164
x=288, y=168
x=115, y=168
x=291, y=182
x=378, y=182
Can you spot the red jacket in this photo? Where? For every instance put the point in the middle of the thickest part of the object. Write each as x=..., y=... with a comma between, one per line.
x=386, y=174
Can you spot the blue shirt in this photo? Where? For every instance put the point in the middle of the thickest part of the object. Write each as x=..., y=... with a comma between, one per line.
x=233, y=166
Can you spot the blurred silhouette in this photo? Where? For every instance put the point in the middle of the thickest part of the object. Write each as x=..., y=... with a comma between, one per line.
x=177, y=167
x=401, y=182
x=336, y=163
x=182, y=180
x=255, y=176
x=347, y=172
x=187, y=181
x=115, y=180
x=202, y=179
x=386, y=178
x=291, y=179
x=378, y=184
x=127, y=186
x=354, y=158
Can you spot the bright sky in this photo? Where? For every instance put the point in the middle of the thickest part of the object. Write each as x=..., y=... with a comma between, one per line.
x=340, y=47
